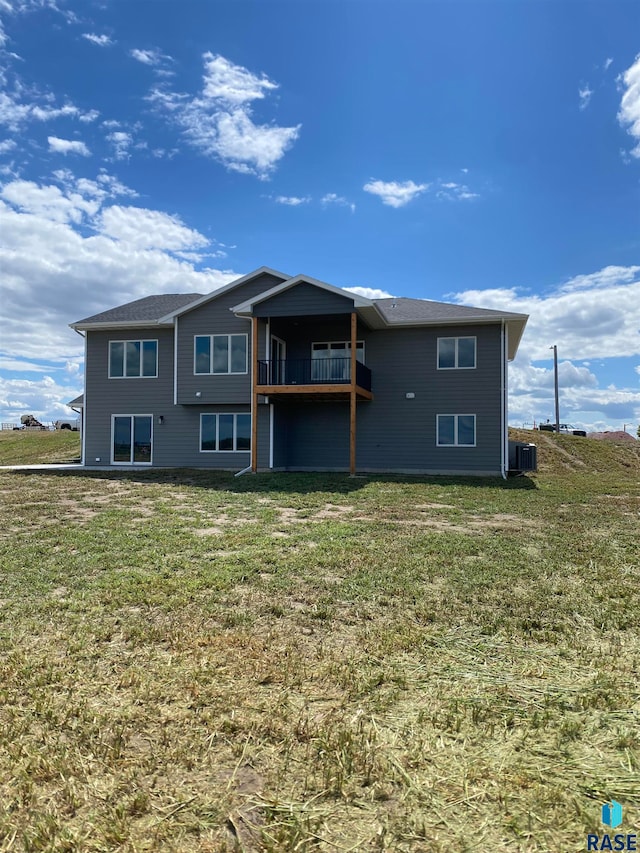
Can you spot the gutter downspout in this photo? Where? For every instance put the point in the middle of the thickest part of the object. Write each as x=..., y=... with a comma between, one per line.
x=175, y=362
x=503, y=402
x=83, y=416
x=253, y=407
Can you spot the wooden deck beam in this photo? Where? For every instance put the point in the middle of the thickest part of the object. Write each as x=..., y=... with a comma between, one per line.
x=274, y=390
x=254, y=395
x=352, y=397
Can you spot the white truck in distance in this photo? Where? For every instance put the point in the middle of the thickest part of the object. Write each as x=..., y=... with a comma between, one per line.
x=68, y=423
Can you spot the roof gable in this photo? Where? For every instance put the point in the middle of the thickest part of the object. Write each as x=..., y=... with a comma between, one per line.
x=238, y=282
x=246, y=308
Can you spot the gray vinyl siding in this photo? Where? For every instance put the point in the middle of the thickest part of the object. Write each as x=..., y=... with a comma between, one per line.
x=211, y=318
x=396, y=433
x=393, y=433
x=280, y=435
x=105, y=397
x=399, y=434
x=317, y=436
x=176, y=442
x=303, y=300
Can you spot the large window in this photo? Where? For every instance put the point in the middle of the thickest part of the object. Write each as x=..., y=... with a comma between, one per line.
x=331, y=360
x=456, y=430
x=133, y=359
x=131, y=439
x=220, y=354
x=225, y=433
x=456, y=353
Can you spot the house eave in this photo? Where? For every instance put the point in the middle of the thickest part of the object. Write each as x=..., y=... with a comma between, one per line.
x=122, y=324
x=515, y=322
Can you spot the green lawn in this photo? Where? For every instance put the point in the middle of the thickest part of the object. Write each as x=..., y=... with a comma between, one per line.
x=193, y=662
x=26, y=447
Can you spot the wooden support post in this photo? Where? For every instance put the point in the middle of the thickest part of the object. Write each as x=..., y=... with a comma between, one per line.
x=254, y=395
x=353, y=401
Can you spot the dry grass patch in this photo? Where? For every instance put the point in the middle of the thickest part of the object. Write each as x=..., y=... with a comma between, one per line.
x=280, y=663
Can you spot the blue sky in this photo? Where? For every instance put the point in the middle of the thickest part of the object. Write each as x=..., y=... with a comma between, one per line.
x=486, y=153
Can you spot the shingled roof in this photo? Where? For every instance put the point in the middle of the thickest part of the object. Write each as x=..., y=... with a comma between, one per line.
x=149, y=309
x=405, y=311
x=377, y=314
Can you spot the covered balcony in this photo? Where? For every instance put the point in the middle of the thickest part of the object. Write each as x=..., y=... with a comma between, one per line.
x=313, y=376
x=304, y=317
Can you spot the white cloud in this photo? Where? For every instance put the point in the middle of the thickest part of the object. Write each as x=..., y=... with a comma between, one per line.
x=527, y=377
x=89, y=116
x=292, y=200
x=629, y=112
x=637, y=369
x=594, y=316
x=233, y=84
x=455, y=192
x=14, y=112
x=22, y=102
x=219, y=123
x=67, y=146
x=121, y=142
x=147, y=57
x=100, y=40
x=49, y=201
x=395, y=193
x=148, y=229
x=585, y=93
x=44, y=398
x=19, y=365
x=339, y=200
x=243, y=145
x=607, y=63
x=369, y=292
x=585, y=318
x=7, y=145
x=164, y=153
x=606, y=277
x=47, y=113
x=75, y=273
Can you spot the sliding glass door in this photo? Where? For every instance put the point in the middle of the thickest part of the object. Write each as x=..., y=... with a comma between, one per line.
x=131, y=442
x=331, y=361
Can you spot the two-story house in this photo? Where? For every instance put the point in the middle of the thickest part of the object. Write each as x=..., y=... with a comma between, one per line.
x=281, y=373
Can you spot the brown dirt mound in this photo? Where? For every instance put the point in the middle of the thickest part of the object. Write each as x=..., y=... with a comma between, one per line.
x=618, y=435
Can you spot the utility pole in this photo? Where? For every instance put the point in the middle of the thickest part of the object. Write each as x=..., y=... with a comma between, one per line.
x=555, y=385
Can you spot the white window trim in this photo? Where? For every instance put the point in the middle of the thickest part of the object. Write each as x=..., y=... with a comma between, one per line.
x=216, y=415
x=455, y=429
x=124, y=364
x=129, y=415
x=347, y=345
x=222, y=335
x=456, y=339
